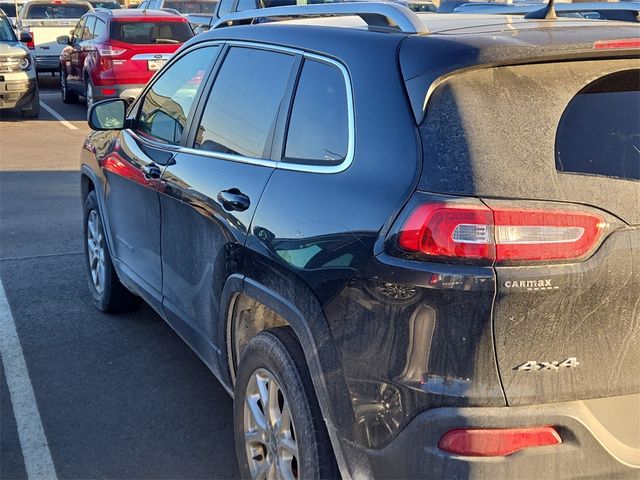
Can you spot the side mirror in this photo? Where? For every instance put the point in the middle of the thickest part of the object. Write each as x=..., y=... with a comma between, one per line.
x=201, y=29
x=64, y=40
x=108, y=114
x=25, y=37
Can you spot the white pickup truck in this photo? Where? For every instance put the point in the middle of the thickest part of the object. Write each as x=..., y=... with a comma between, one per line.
x=46, y=20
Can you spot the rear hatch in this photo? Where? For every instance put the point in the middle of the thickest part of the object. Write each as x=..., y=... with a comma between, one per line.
x=143, y=46
x=553, y=138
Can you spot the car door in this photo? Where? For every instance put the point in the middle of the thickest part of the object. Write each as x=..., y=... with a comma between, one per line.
x=212, y=188
x=71, y=54
x=134, y=168
x=82, y=50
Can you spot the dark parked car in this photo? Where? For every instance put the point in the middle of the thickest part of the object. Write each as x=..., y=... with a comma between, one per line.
x=408, y=246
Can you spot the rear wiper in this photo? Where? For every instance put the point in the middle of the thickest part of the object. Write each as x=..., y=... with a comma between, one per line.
x=166, y=40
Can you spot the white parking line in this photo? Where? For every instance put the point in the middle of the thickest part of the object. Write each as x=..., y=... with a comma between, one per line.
x=35, y=450
x=58, y=117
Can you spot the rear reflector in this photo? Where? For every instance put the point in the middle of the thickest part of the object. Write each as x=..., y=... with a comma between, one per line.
x=496, y=442
x=108, y=91
x=453, y=230
x=614, y=44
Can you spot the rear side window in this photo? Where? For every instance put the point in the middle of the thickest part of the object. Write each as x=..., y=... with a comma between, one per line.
x=141, y=33
x=319, y=128
x=39, y=11
x=240, y=114
x=599, y=133
x=167, y=103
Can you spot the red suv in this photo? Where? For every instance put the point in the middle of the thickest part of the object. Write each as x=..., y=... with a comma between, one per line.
x=114, y=53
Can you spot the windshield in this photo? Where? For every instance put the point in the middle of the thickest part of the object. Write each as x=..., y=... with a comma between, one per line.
x=6, y=32
x=151, y=32
x=192, y=7
x=44, y=11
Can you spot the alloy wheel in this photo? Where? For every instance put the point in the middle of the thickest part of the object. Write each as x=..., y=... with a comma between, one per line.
x=269, y=433
x=96, y=251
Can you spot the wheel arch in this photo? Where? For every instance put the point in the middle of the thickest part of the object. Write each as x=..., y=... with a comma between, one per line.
x=320, y=353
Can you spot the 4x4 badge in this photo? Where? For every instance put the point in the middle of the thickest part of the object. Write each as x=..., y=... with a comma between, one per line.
x=533, y=366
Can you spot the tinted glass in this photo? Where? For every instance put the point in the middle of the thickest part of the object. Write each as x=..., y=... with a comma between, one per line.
x=151, y=32
x=599, y=133
x=247, y=5
x=109, y=5
x=225, y=7
x=8, y=8
x=87, y=32
x=45, y=11
x=77, y=33
x=166, y=105
x=319, y=127
x=192, y=7
x=99, y=28
x=6, y=32
x=241, y=110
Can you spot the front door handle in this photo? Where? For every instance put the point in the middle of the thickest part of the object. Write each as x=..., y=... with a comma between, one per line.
x=234, y=199
x=151, y=170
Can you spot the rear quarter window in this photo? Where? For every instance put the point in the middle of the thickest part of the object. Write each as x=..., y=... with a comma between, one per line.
x=599, y=132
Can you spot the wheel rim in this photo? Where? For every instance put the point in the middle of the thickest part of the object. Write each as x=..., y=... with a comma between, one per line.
x=89, y=95
x=96, y=251
x=269, y=433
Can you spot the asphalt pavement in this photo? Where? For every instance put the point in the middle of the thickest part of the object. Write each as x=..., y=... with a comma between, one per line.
x=115, y=396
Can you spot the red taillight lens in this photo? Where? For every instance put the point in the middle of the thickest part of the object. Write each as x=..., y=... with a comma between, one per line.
x=452, y=230
x=496, y=442
x=615, y=44
x=448, y=230
x=108, y=91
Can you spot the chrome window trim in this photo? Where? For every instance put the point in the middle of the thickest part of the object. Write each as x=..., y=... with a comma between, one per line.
x=284, y=165
x=152, y=56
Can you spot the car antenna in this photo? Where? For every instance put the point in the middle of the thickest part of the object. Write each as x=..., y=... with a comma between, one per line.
x=548, y=12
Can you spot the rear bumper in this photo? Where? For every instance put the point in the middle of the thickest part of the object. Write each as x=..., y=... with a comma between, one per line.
x=16, y=93
x=588, y=449
x=47, y=63
x=126, y=92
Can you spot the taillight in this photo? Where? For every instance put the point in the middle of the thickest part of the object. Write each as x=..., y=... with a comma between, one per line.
x=617, y=44
x=496, y=442
x=107, y=51
x=499, y=234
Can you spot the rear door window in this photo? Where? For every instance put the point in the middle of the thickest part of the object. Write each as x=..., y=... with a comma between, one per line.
x=240, y=114
x=599, y=133
x=166, y=105
x=87, y=31
x=319, y=127
x=147, y=33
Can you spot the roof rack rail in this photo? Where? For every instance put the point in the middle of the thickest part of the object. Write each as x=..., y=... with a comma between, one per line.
x=383, y=15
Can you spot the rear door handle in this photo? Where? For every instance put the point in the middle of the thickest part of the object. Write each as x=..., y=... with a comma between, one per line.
x=151, y=170
x=234, y=199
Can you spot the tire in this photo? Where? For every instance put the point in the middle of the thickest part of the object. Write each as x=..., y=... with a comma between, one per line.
x=67, y=95
x=32, y=109
x=109, y=295
x=89, y=92
x=275, y=360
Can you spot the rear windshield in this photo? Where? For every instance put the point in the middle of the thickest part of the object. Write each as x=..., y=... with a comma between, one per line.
x=109, y=5
x=599, y=133
x=8, y=8
x=151, y=32
x=192, y=7
x=46, y=11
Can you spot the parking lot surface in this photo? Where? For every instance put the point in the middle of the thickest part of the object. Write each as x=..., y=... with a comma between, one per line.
x=118, y=396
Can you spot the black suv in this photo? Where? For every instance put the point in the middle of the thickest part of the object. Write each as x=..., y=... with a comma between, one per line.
x=408, y=244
